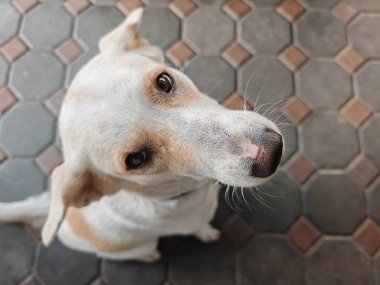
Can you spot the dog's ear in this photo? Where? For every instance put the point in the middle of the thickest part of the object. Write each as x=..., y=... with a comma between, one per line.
x=126, y=38
x=72, y=187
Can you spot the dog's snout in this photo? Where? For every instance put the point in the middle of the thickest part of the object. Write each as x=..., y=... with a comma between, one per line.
x=269, y=156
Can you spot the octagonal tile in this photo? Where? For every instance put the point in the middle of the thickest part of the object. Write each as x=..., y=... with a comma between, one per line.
x=265, y=3
x=264, y=32
x=59, y=265
x=37, y=75
x=9, y=21
x=373, y=200
x=42, y=23
x=364, y=40
x=320, y=4
x=205, y=2
x=208, y=31
x=266, y=76
x=20, y=179
x=326, y=200
x=220, y=79
x=332, y=146
x=217, y=266
x=3, y=70
x=338, y=262
x=323, y=84
x=133, y=272
x=274, y=208
x=365, y=5
x=321, y=34
x=26, y=129
x=99, y=20
x=367, y=84
x=17, y=250
x=290, y=135
x=270, y=260
x=369, y=136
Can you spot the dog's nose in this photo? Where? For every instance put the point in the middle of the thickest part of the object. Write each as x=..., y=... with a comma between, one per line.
x=269, y=156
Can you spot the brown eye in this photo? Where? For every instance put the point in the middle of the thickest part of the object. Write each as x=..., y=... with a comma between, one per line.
x=137, y=159
x=165, y=83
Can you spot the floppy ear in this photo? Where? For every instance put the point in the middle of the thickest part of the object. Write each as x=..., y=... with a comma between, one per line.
x=126, y=38
x=72, y=187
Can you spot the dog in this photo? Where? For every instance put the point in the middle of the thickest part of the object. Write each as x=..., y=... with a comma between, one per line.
x=143, y=152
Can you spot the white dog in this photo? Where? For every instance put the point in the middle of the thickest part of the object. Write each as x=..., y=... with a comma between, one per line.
x=143, y=151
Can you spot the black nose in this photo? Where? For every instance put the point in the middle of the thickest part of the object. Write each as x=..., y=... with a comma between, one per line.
x=270, y=151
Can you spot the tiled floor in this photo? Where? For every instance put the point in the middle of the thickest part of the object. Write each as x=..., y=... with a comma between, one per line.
x=319, y=60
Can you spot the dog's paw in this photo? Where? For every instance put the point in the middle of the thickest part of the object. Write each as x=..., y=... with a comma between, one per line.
x=150, y=258
x=208, y=234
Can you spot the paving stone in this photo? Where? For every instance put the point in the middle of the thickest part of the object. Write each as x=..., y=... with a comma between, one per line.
x=217, y=264
x=290, y=9
x=237, y=102
x=20, y=179
x=121, y=273
x=236, y=55
x=355, y=112
x=59, y=265
x=373, y=201
x=368, y=236
x=275, y=207
x=361, y=34
x=326, y=200
x=300, y=168
x=323, y=84
x=303, y=234
x=295, y=110
x=49, y=159
x=9, y=22
x=208, y=2
x=264, y=32
x=236, y=8
x=293, y=57
x=99, y=20
x=24, y=6
x=26, y=129
x=367, y=84
x=42, y=23
x=338, y=262
x=350, y=59
x=30, y=281
x=376, y=265
x=344, y=12
x=7, y=100
x=265, y=3
x=365, y=5
x=127, y=6
x=183, y=8
x=290, y=135
x=37, y=75
x=220, y=79
x=75, y=7
x=208, y=31
x=362, y=170
x=321, y=34
x=180, y=53
x=3, y=70
x=223, y=211
x=237, y=231
x=54, y=103
x=104, y=2
x=270, y=260
x=320, y=4
x=157, y=2
x=2, y=156
x=369, y=138
x=13, y=49
x=160, y=26
x=16, y=249
x=69, y=51
x=268, y=76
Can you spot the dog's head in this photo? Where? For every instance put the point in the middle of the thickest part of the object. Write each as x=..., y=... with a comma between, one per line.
x=130, y=120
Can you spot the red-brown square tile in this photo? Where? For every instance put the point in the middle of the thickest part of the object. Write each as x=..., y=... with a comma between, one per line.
x=54, y=103
x=293, y=58
x=237, y=231
x=291, y=10
x=368, y=236
x=344, y=12
x=2, y=156
x=303, y=234
x=362, y=170
x=24, y=6
x=7, y=99
x=295, y=110
x=49, y=159
x=179, y=53
x=183, y=8
x=300, y=168
x=355, y=112
x=13, y=49
x=69, y=51
x=30, y=281
x=76, y=7
x=236, y=102
x=236, y=55
x=236, y=8
x=126, y=6
x=349, y=59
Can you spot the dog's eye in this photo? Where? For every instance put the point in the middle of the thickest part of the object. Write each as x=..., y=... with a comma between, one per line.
x=165, y=83
x=137, y=159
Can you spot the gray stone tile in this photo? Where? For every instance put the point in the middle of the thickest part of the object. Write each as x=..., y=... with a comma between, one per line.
x=373, y=200
x=46, y=26
x=267, y=76
x=274, y=207
x=37, y=75
x=264, y=32
x=131, y=272
x=323, y=84
x=207, y=2
x=223, y=211
x=290, y=134
x=20, y=179
x=212, y=75
x=270, y=260
x=265, y=3
x=160, y=26
x=59, y=265
x=26, y=129
x=334, y=203
x=332, y=146
x=367, y=84
x=9, y=22
x=16, y=249
x=365, y=5
x=3, y=70
x=338, y=262
x=157, y=2
x=369, y=137
x=363, y=37
x=377, y=268
x=104, y=2
x=99, y=20
x=195, y=263
x=320, y=4
x=321, y=34
x=208, y=31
